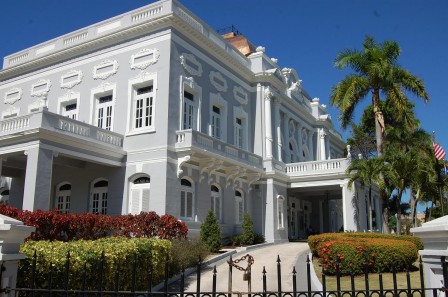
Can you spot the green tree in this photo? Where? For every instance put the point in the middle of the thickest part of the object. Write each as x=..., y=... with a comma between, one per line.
x=377, y=73
x=210, y=232
x=367, y=172
x=248, y=235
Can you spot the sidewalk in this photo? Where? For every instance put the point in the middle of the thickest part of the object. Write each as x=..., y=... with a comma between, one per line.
x=291, y=254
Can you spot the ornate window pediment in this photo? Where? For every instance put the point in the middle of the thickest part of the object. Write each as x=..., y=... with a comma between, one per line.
x=10, y=112
x=191, y=64
x=144, y=58
x=105, y=69
x=41, y=88
x=71, y=79
x=240, y=95
x=218, y=81
x=13, y=95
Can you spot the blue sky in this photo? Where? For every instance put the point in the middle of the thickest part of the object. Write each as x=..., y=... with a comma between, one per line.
x=305, y=35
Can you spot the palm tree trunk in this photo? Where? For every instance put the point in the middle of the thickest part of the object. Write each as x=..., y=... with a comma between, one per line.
x=398, y=203
x=412, y=204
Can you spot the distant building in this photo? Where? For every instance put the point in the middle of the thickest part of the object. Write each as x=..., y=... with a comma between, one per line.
x=154, y=110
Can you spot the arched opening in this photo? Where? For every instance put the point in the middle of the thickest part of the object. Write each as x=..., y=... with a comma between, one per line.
x=98, y=204
x=216, y=201
x=63, y=194
x=139, y=194
x=239, y=207
x=186, y=199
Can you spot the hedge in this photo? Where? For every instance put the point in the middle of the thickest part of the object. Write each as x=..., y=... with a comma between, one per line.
x=315, y=240
x=378, y=254
x=86, y=255
x=51, y=225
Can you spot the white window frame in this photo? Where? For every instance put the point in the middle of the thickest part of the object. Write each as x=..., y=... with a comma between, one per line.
x=185, y=190
x=218, y=101
x=280, y=212
x=144, y=79
x=188, y=85
x=239, y=113
x=97, y=93
x=139, y=188
x=239, y=207
x=216, y=200
x=102, y=199
x=62, y=198
x=68, y=99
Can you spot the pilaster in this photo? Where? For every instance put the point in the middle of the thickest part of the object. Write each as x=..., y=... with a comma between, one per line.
x=269, y=97
x=349, y=210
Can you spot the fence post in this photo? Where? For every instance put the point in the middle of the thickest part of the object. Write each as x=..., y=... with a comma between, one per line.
x=434, y=235
x=12, y=234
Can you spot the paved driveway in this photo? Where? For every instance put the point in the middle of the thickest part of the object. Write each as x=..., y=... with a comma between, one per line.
x=291, y=255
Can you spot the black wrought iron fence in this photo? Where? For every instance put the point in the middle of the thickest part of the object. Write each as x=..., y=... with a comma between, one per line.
x=60, y=283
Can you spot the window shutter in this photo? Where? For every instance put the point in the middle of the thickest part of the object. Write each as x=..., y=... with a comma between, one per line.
x=145, y=200
x=135, y=201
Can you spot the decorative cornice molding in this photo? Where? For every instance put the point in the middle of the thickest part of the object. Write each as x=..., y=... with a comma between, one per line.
x=41, y=88
x=191, y=64
x=71, y=83
x=218, y=81
x=13, y=95
x=240, y=95
x=113, y=64
x=147, y=56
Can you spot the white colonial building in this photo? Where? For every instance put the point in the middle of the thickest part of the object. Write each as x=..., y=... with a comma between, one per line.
x=154, y=110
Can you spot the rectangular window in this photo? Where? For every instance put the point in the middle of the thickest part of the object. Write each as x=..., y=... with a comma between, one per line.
x=216, y=122
x=70, y=110
x=280, y=214
x=186, y=200
x=188, y=112
x=104, y=114
x=144, y=108
x=239, y=133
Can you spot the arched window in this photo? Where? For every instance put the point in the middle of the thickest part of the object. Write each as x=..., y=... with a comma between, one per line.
x=139, y=190
x=4, y=196
x=292, y=152
x=216, y=202
x=98, y=203
x=63, y=194
x=186, y=199
x=239, y=207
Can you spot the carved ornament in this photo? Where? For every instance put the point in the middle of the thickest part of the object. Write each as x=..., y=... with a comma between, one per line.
x=13, y=95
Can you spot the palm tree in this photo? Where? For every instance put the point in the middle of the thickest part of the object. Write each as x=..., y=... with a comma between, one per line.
x=376, y=72
x=367, y=172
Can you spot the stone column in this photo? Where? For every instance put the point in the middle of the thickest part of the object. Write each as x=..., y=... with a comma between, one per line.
x=327, y=147
x=299, y=141
x=270, y=215
x=269, y=97
x=278, y=128
x=286, y=139
x=434, y=235
x=349, y=212
x=39, y=166
x=12, y=235
x=321, y=144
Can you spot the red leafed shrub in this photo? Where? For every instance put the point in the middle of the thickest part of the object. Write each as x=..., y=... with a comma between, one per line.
x=51, y=225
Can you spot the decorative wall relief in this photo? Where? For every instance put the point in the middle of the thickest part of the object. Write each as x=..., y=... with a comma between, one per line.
x=105, y=69
x=218, y=81
x=10, y=112
x=13, y=95
x=190, y=64
x=144, y=58
x=240, y=95
x=71, y=79
x=41, y=88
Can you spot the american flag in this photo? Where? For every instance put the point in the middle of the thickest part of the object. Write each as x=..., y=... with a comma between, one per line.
x=438, y=151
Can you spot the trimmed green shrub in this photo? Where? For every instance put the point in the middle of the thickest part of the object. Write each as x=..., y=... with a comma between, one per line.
x=187, y=253
x=210, y=233
x=315, y=240
x=248, y=230
x=85, y=255
x=259, y=238
x=353, y=254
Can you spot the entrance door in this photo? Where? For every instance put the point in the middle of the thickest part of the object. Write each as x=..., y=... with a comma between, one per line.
x=99, y=197
x=293, y=230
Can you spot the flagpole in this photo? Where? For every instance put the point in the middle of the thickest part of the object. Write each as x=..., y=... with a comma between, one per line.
x=439, y=178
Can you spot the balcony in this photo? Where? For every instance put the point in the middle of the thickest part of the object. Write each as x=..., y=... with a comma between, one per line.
x=334, y=167
x=206, y=146
x=63, y=127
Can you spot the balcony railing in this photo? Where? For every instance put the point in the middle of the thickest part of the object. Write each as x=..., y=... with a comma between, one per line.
x=188, y=139
x=54, y=122
x=317, y=167
x=122, y=22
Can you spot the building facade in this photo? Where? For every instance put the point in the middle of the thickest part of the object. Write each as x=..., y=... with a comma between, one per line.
x=154, y=110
